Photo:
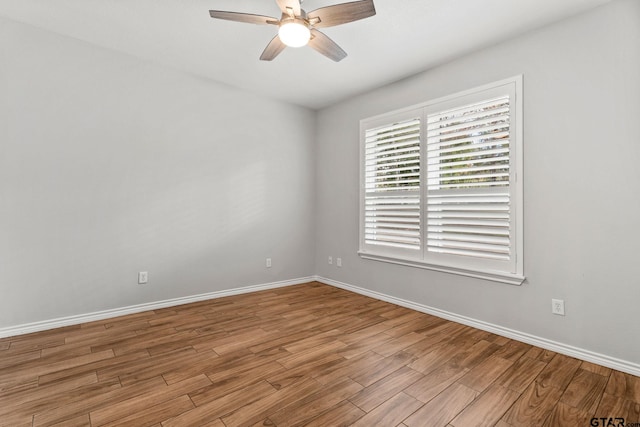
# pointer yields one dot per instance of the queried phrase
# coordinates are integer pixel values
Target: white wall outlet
(268, 263)
(339, 262)
(143, 277)
(330, 260)
(557, 307)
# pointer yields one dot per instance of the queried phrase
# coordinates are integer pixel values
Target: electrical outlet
(557, 307)
(339, 262)
(330, 260)
(268, 262)
(143, 277)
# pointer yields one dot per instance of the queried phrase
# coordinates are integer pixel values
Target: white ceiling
(405, 37)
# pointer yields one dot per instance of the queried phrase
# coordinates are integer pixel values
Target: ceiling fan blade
(342, 13)
(290, 6)
(273, 49)
(243, 17)
(326, 46)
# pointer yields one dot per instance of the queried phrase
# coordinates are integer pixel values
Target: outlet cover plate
(557, 307)
(143, 277)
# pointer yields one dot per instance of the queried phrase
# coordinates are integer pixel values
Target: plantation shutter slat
(382, 130)
(447, 144)
(392, 185)
(390, 140)
(388, 159)
(474, 162)
(404, 177)
(471, 168)
(479, 143)
(478, 128)
(451, 115)
(468, 178)
(494, 154)
(467, 238)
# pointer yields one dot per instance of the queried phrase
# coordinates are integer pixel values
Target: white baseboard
(578, 353)
(108, 314)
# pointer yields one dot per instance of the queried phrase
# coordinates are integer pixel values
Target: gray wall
(110, 165)
(582, 184)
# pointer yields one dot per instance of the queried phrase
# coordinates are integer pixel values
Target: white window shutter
(392, 186)
(438, 184)
(468, 177)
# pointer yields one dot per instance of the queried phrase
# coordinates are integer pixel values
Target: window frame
(478, 268)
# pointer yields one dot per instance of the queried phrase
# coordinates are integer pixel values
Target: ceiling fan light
(294, 33)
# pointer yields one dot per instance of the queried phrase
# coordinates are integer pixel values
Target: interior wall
(581, 184)
(110, 165)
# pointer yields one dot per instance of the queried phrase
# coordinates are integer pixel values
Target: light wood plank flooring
(301, 355)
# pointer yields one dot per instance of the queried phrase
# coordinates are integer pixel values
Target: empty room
(281, 213)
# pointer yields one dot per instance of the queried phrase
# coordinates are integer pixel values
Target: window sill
(511, 279)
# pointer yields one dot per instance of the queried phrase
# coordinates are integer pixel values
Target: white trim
(495, 276)
(569, 350)
(108, 314)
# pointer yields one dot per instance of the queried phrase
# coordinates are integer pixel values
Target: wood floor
(302, 355)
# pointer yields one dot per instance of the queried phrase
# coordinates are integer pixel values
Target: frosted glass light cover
(294, 34)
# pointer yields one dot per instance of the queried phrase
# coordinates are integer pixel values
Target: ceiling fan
(299, 28)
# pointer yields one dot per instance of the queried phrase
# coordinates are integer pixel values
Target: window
(441, 184)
